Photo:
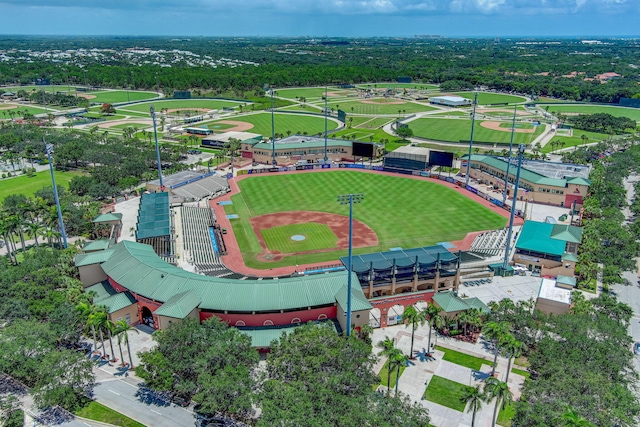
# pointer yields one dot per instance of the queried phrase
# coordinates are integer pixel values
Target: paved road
(124, 396)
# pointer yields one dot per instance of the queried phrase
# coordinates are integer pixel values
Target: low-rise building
(450, 101)
(552, 298)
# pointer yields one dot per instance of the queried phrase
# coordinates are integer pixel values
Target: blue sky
(322, 17)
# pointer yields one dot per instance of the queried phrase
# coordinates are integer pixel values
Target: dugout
(411, 270)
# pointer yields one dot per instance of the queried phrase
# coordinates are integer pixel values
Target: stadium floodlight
(507, 249)
(155, 135)
(273, 133)
(49, 150)
(350, 199)
(326, 130)
(473, 121)
(506, 178)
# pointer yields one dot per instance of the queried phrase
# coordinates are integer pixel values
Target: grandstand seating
(491, 243)
(196, 223)
(213, 185)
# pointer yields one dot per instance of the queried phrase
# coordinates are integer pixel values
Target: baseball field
(456, 130)
(396, 212)
(632, 113)
(283, 123)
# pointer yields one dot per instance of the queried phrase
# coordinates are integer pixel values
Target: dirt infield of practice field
(367, 101)
(239, 126)
(9, 107)
(363, 235)
(496, 126)
(85, 96)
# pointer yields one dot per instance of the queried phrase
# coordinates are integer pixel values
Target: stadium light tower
(350, 199)
(155, 135)
(49, 150)
(507, 249)
(473, 121)
(273, 134)
(506, 178)
(326, 130)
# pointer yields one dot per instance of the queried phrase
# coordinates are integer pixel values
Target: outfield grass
(456, 130)
(399, 85)
(487, 98)
(632, 113)
(317, 236)
(310, 93)
(20, 109)
(28, 186)
(107, 117)
(371, 123)
(463, 359)
(385, 108)
(384, 375)
(403, 212)
(112, 96)
(446, 393)
(49, 89)
(213, 104)
(295, 123)
(98, 412)
(575, 140)
(131, 125)
(507, 125)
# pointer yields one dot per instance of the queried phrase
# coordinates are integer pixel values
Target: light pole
(49, 149)
(507, 250)
(155, 135)
(350, 199)
(273, 134)
(473, 121)
(506, 178)
(326, 131)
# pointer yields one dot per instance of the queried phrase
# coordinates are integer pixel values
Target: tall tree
(498, 390)
(473, 398)
(414, 318)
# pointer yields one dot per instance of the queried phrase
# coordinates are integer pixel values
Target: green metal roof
(569, 257)
(579, 181)
(107, 296)
(301, 145)
(139, 269)
(358, 301)
(566, 280)
(180, 305)
(568, 233)
(536, 236)
(112, 216)
(92, 258)
(449, 303)
(153, 216)
(263, 337)
(525, 174)
(96, 245)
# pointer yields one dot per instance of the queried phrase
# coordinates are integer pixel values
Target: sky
(333, 18)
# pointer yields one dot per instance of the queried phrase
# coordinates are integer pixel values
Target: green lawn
(20, 109)
(295, 123)
(112, 96)
(575, 140)
(463, 359)
(525, 374)
(370, 123)
(312, 94)
(28, 186)
(131, 125)
(446, 393)
(632, 113)
(451, 114)
(488, 98)
(107, 117)
(213, 104)
(384, 375)
(413, 223)
(49, 89)
(457, 130)
(98, 412)
(384, 108)
(506, 415)
(507, 125)
(317, 236)
(423, 86)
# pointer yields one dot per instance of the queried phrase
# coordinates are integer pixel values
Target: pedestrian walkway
(419, 373)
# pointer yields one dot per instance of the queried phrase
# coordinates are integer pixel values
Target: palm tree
(396, 361)
(86, 309)
(98, 320)
(414, 317)
(495, 331)
(435, 320)
(584, 139)
(570, 418)
(5, 231)
(365, 332)
(473, 397)
(494, 388)
(388, 349)
(121, 330)
(513, 348)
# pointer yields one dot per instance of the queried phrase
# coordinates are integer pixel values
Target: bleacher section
(210, 186)
(490, 243)
(203, 241)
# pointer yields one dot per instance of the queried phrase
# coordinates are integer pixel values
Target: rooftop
(139, 269)
(549, 291)
(153, 216)
(107, 217)
(96, 245)
(450, 302)
(451, 98)
(302, 142)
(179, 178)
(226, 136)
(400, 258)
(105, 295)
(547, 238)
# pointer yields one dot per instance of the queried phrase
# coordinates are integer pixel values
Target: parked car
(636, 348)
